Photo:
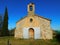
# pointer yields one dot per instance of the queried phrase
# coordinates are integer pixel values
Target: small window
(31, 20)
(31, 8)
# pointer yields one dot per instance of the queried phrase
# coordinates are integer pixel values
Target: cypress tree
(5, 31)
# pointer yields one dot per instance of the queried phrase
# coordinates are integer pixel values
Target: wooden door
(31, 33)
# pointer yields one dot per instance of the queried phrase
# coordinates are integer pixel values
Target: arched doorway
(31, 33)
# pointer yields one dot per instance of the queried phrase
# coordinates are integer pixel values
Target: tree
(11, 32)
(58, 36)
(5, 31)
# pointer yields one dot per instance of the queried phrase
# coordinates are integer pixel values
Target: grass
(13, 41)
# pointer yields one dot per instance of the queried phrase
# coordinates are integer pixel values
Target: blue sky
(17, 9)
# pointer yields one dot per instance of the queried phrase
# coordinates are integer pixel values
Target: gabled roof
(21, 19)
(34, 15)
(43, 17)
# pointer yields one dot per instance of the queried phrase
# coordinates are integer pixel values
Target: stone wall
(43, 24)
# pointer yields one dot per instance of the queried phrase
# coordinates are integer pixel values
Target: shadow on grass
(13, 41)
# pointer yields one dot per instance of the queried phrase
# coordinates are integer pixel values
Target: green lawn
(13, 41)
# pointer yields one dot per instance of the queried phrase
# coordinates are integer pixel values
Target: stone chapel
(33, 26)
